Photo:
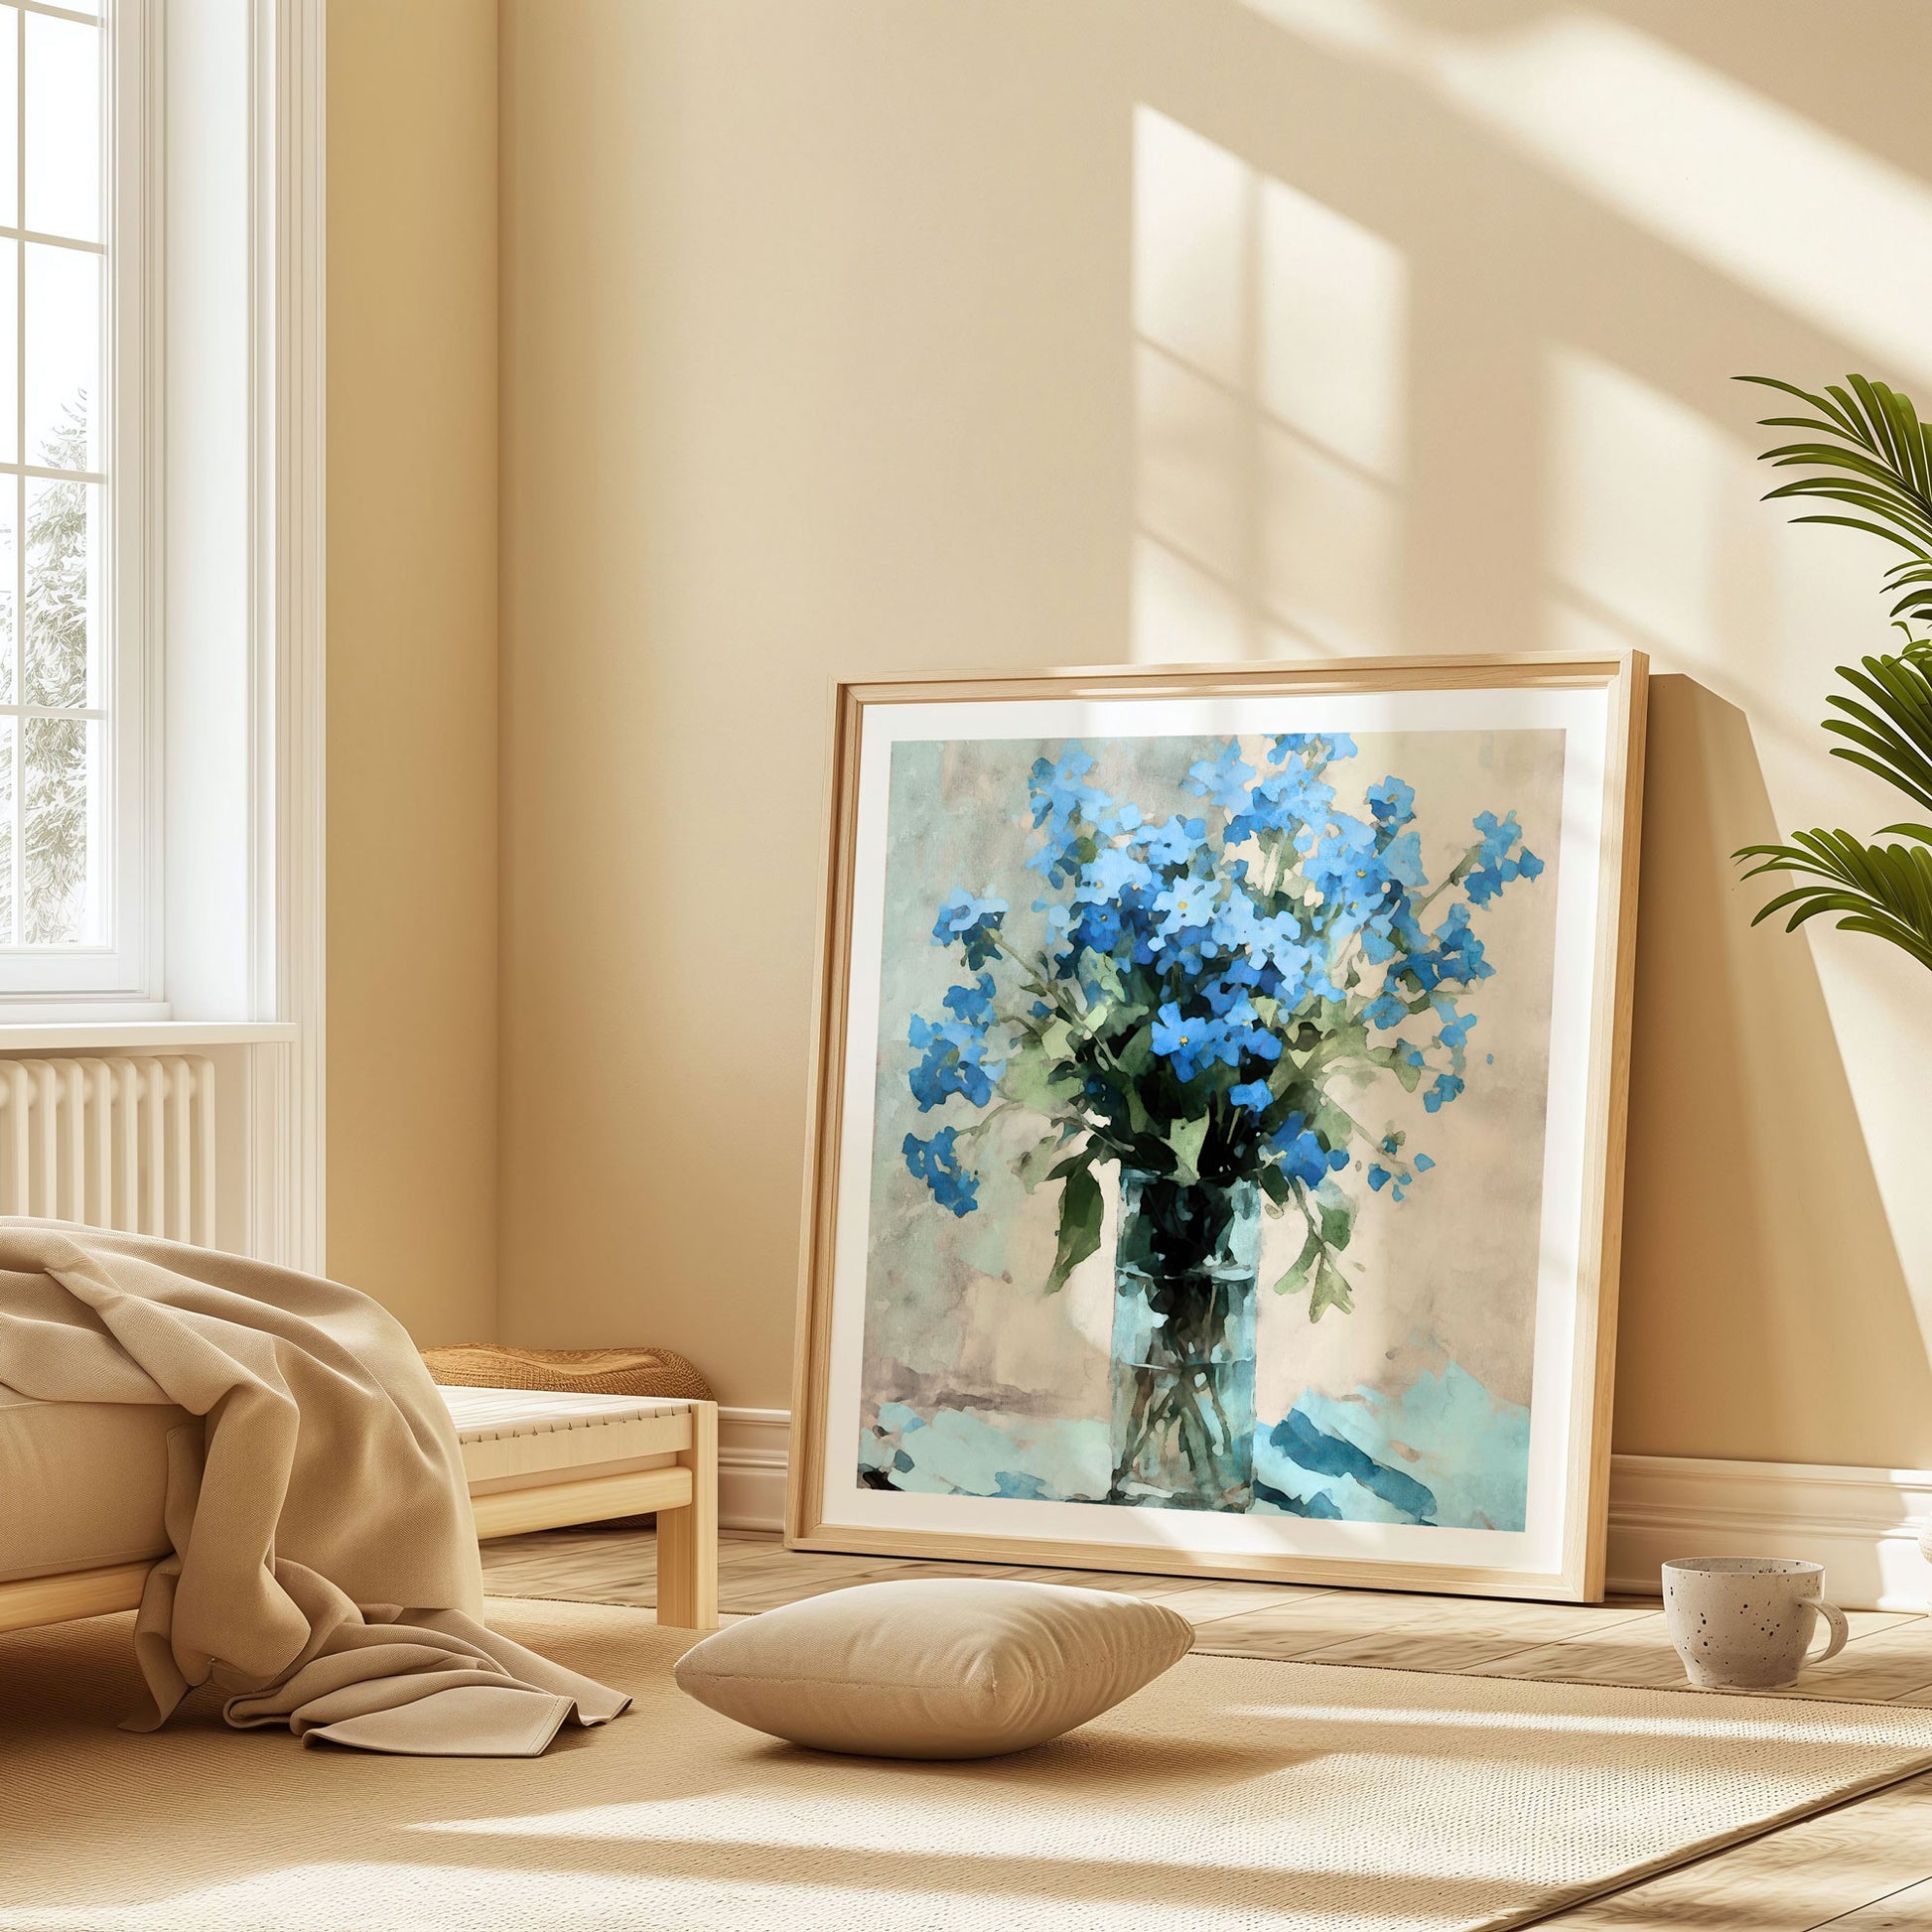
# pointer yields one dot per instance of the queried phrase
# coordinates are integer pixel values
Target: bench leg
(687, 1539)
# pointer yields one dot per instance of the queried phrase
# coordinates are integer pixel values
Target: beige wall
(872, 333)
(412, 657)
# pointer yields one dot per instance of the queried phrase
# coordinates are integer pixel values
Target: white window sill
(166, 1036)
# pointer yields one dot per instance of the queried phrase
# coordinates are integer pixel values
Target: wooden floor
(1866, 1867)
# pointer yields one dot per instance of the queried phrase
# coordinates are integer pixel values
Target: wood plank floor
(1866, 1867)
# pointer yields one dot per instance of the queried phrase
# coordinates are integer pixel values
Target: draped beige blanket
(325, 1572)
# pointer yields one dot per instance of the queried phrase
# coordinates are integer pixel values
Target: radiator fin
(124, 1143)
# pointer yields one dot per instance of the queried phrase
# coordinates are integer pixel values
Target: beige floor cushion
(934, 1668)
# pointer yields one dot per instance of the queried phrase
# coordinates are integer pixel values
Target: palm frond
(1887, 726)
(1876, 460)
(1883, 889)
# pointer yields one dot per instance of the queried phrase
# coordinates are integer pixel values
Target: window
(72, 866)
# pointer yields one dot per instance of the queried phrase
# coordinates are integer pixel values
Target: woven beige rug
(1230, 1794)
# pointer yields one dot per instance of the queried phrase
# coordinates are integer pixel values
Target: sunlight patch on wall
(1270, 394)
(1655, 537)
(1632, 495)
(1740, 182)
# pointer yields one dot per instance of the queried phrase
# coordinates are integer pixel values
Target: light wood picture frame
(1216, 1149)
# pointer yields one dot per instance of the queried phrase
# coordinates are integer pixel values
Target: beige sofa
(81, 1487)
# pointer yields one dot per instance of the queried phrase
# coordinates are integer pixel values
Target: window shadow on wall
(1434, 314)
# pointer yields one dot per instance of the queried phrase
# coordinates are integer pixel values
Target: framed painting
(1217, 1144)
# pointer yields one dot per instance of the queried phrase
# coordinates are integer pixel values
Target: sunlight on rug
(1231, 1793)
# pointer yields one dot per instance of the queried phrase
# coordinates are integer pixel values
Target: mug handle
(1841, 1630)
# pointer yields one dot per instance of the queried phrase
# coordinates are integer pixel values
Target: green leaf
(1314, 1271)
(1185, 1138)
(1056, 1041)
(1876, 458)
(1137, 1056)
(1080, 1216)
(1036, 1164)
(1337, 1218)
(1883, 890)
(1105, 974)
(1332, 1124)
(1294, 1276)
(1035, 1082)
(1330, 1290)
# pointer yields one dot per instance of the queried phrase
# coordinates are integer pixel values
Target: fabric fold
(325, 1572)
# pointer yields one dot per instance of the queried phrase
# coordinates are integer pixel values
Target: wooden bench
(534, 1461)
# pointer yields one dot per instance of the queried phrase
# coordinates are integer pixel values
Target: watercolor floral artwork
(1207, 1157)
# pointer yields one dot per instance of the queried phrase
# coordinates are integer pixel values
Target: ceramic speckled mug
(1741, 1623)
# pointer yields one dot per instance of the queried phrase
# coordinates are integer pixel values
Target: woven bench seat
(512, 1437)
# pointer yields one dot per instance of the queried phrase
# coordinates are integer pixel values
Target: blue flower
(1318, 746)
(1345, 868)
(973, 1004)
(1303, 1157)
(974, 923)
(1064, 812)
(1294, 968)
(1459, 952)
(1284, 801)
(954, 1062)
(1237, 927)
(1059, 799)
(1402, 858)
(1185, 1044)
(1424, 1163)
(1100, 927)
(1450, 955)
(1378, 1176)
(1222, 778)
(1251, 1094)
(1456, 1034)
(1257, 1040)
(1176, 842)
(937, 1164)
(1111, 871)
(1392, 802)
(1188, 902)
(1446, 1087)
(1386, 1011)
(1497, 860)
(1228, 989)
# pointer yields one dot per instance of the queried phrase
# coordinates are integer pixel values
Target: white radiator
(119, 1143)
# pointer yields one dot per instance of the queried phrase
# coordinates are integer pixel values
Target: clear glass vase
(1184, 1373)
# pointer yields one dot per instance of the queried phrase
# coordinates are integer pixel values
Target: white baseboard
(753, 1446)
(1862, 1525)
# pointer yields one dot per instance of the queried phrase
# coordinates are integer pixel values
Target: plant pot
(1183, 1343)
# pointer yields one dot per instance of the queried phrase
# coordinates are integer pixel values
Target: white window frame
(216, 332)
(120, 973)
